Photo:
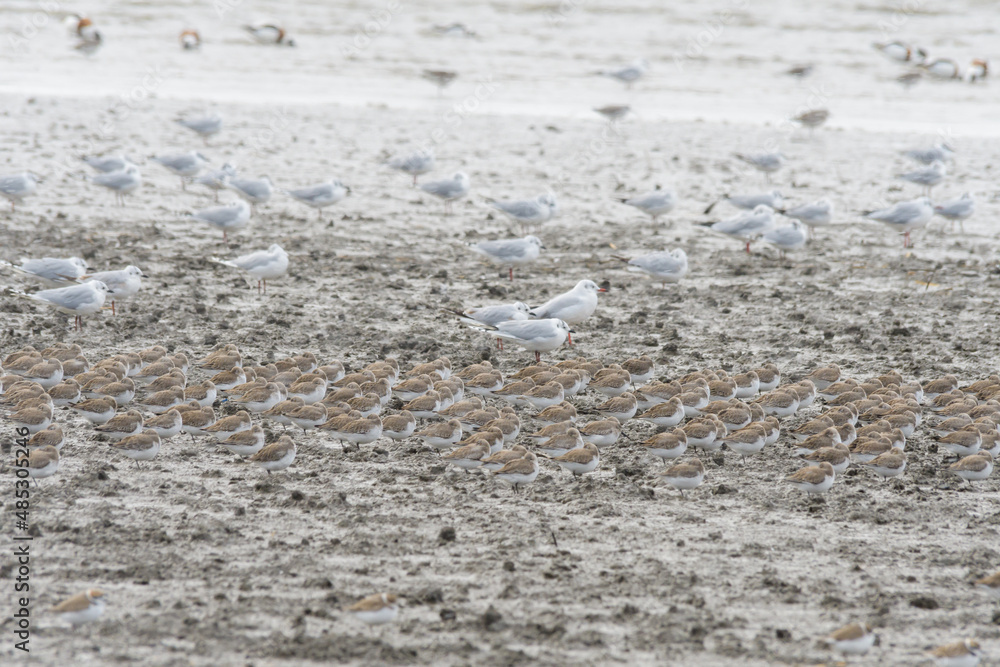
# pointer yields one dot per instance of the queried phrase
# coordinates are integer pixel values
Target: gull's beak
(572, 330)
(602, 289)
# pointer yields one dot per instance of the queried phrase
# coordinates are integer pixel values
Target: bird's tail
(224, 262)
(709, 208)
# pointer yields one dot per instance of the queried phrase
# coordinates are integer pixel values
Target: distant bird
(614, 112)
(227, 218)
(628, 74)
(215, 179)
(262, 265)
(746, 226)
(51, 271)
(190, 40)
(928, 177)
(957, 210)
(269, 34)
(253, 190)
(666, 266)
(122, 182)
(767, 163)
(510, 252)
(978, 70)
(800, 71)
(108, 164)
(415, 164)
(910, 79)
(900, 52)
(812, 118)
(942, 152)
(942, 68)
(122, 284)
(204, 126)
(440, 78)
(788, 237)
(654, 204)
(528, 212)
(750, 202)
(817, 214)
(448, 189)
(905, 216)
(453, 30)
(320, 196)
(18, 187)
(184, 165)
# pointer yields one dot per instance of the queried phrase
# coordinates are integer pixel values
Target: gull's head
(201, 157)
(563, 326)
(461, 177)
(131, 270)
(522, 307)
(763, 209)
(535, 241)
(78, 262)
(275, 248)
(589, 286)
(678, 253)
(100, 286)
(777, 194)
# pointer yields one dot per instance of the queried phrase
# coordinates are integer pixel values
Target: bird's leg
(511, 270)
(258, 287)
(538, 357)
(225, 237)
(569, 336)
(748, 246)
(183, 184)
(265, 286)
(113, 313)
(35, 481)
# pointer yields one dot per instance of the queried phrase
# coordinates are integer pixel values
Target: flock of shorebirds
(476, 417)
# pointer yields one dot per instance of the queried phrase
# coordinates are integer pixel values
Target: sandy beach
(208, 561)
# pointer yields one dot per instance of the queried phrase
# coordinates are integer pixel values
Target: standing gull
(817, 214)
(746, 226)
(124, 283)
(510, 253)
(415, 164)
(51, 271)
(571, 307)
(666, 266)
(204, 126)
(321, 196)
(255, 191)
(533, 335)
(905, 216)
(927, 177)
(263, 265)
(767, 163)
(628, 74)
(184, 165)
(528, 211)
(76, 300)
(17, 187)
(957, 210)
(449, 189)
(227, 218)
(654, 204)
(121, 182)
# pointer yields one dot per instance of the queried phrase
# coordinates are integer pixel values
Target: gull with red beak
(572, 307)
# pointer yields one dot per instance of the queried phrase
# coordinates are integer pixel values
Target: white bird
(533, 335)
(255, 191)
(654, 204)
(957, 210)
(940, 153)
(928, 176)
(942, 68)
(628, 74)
(227, 218)
(768, 163)
(321, 196)
(184, 165)
(528, 211)
(666, 266)
(817, 214)
(746, 226)
(788, 237)
(121, 182)
(17, 187)
(493, 315)
(76, 300)
(123, 284)
(269, 34)
(905, 216)
(51, 271)
(415, 164)
(215, 179)
(108, 164)
(511, 252)
(750, 202)
(204, 126)
(449, 189)
(901, 52)
(262, 265)
(571, 307)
